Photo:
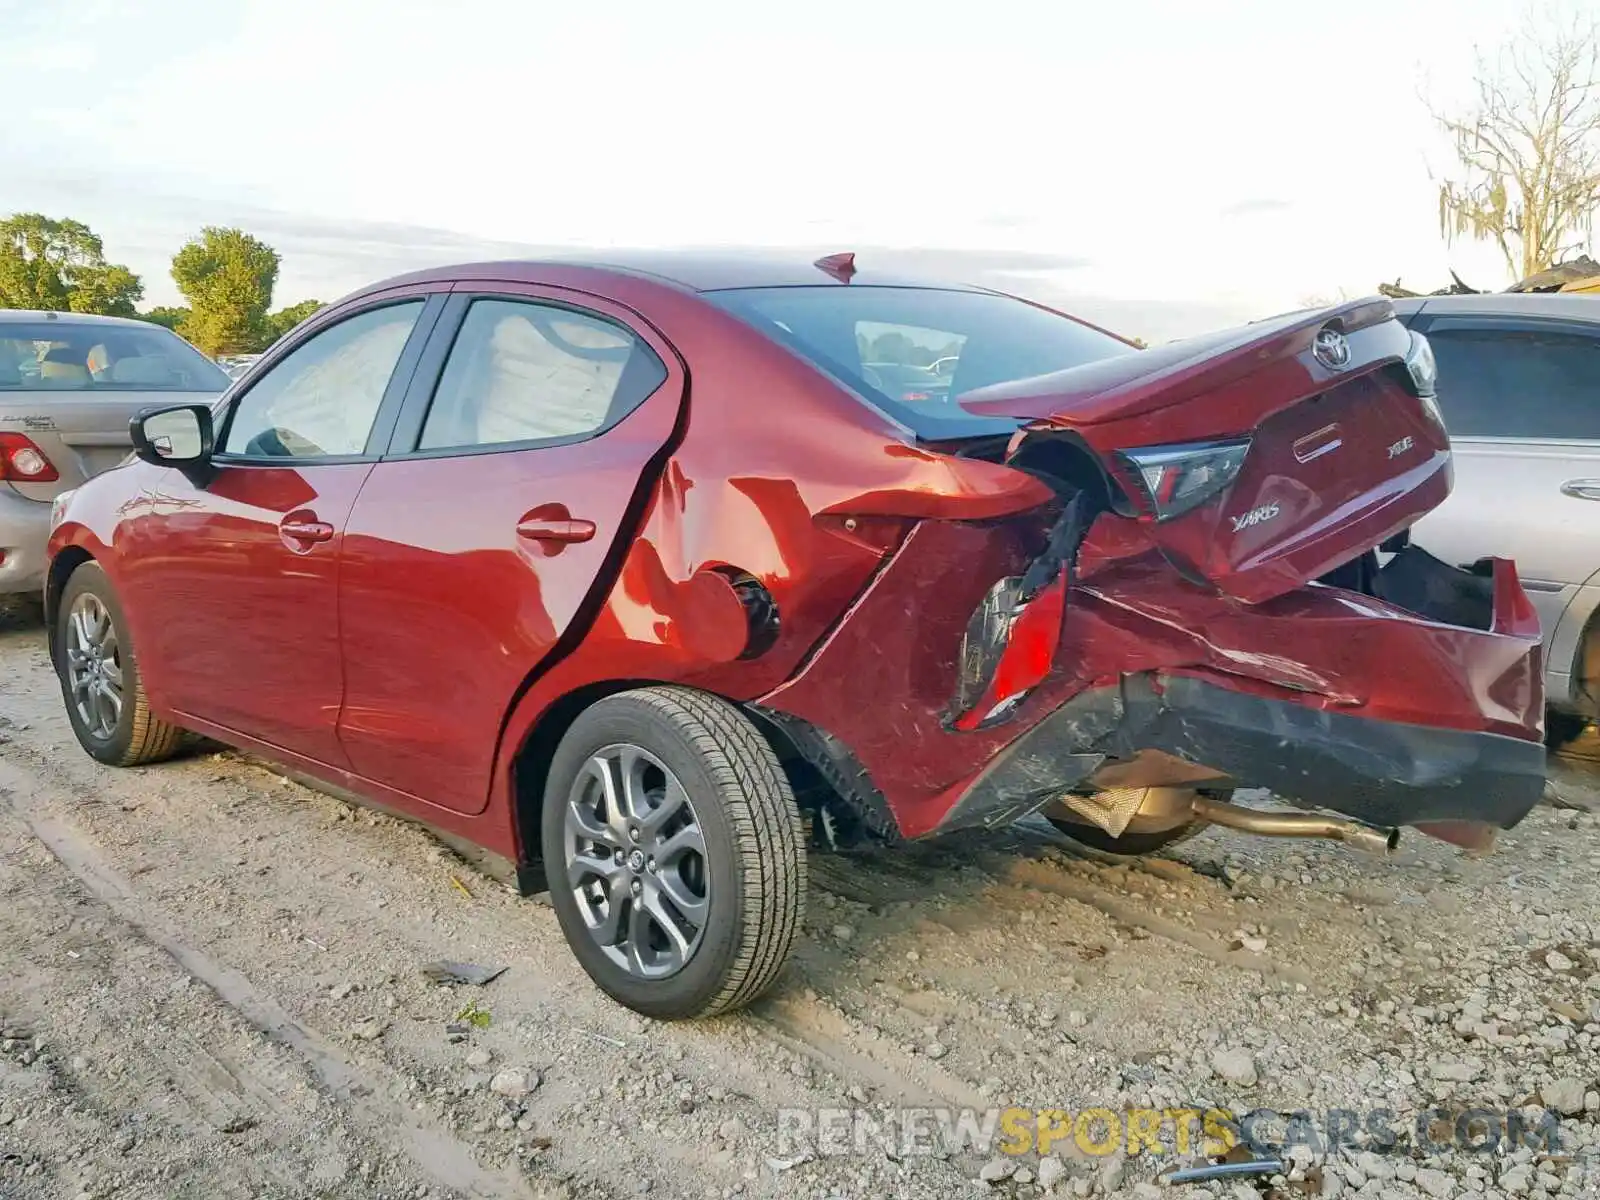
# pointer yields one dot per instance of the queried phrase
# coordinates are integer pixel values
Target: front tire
(100, 682)
(675, 852)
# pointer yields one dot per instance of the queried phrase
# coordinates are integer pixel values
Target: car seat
(148, 369)
(63, 367)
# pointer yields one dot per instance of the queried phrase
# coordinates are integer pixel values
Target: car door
(536, 419)
(235, 583)
(1521, 399)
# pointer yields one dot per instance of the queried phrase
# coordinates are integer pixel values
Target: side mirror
(179, 437)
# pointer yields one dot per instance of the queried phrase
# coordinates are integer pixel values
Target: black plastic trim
(1379, 772)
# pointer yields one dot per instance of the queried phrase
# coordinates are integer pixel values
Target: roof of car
(694, 270)
(18, 315)
(1506, 304)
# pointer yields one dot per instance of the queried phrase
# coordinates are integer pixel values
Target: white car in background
(1519, 385)
(237, 364)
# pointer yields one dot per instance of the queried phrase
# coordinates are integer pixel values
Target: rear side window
(520, 371)
(914, 352)
(68, 355)
(1516, 383)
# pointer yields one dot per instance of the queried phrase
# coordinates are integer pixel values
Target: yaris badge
(1254, 517)
(1331, 349)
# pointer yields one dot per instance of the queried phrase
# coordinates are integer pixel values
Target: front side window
(67, 355)
(914, 352)
(1513, 383)
(526, 372)
(322, 399)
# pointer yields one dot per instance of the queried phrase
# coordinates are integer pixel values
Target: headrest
(150, 368)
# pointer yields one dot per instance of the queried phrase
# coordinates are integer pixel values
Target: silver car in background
(1519, 384)
(69, 384)
(237, 364)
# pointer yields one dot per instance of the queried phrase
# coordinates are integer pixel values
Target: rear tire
(100, 681)
(682, 891)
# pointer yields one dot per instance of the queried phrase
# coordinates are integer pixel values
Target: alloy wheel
(94, 666)
(635, 858)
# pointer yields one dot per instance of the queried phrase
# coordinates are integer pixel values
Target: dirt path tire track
(433, 1149)
(295, 892)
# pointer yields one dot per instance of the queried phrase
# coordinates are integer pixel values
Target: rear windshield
(67, 355)
(914, 352)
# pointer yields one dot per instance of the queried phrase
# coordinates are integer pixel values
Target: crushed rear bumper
(1412, 698)
(1378, 772)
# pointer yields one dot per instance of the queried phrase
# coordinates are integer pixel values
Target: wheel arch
(1575, 646)
(62, 566)
(530, 770)
(530, 765)
(1585, 676)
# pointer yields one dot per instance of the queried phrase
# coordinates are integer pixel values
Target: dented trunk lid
(1321, 443)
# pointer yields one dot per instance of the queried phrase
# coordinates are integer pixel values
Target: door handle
(1582, 489)
(305, 529)
(555, 530)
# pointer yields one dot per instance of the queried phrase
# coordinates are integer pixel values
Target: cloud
(950, 263)
(328, 257)
(947, 260)
(1254, 206)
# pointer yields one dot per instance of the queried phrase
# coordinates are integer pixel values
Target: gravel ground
(210, 987)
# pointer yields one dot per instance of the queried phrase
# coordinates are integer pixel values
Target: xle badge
(1400, 447)
(1254, 517)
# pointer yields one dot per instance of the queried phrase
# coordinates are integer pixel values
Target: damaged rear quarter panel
(883, 682)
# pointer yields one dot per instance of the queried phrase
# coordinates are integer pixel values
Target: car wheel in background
(105, 698)
(1562, 728)
(674, 851)
(1164, 817)
(1132, 844)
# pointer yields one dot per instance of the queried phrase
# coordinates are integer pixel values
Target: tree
(285, 319)
(227, 277)
(171, 318)
(892, 347)
(1528, 149)
(112, 291)
(60, 266)
(1325, 299)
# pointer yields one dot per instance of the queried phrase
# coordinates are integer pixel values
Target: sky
(1160, 167)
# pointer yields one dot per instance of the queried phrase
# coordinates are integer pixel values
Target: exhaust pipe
(1369, 838)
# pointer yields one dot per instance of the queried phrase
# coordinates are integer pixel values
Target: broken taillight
(23, 462)
(1175, 479)
(1012, 637)
(1009, 647)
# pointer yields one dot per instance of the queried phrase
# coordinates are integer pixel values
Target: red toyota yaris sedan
(640, 574)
